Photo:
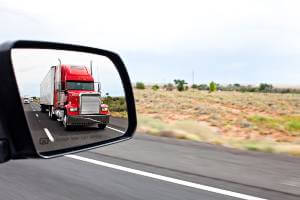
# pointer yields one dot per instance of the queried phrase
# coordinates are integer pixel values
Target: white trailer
(47, 90)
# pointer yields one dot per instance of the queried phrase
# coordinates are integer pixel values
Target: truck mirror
(99, 87)
(68, 121)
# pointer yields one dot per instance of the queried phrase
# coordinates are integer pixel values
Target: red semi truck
(68, 93)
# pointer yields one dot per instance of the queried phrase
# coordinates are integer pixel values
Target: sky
(226, 41)
(32, 65)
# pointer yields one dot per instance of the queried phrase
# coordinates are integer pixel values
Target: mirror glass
(70, 98)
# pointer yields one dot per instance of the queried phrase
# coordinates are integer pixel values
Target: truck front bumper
(85, 120)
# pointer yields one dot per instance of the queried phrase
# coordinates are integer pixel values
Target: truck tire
(66, 126)
(101, 126)
(50, 113)
(43, 108)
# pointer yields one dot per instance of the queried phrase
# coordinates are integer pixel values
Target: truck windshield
(80, 86)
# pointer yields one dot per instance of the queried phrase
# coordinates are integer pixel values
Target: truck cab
(75, 100)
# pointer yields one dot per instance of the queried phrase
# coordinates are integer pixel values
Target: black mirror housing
(16, 141)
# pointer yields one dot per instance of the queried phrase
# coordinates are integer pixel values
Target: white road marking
(49, 134)
(167, 179)
(115, 129)
(294, 182)
(36, 115)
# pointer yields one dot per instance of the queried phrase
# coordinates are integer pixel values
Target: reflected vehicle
(68, 93)
(26, 100)
(79, 98)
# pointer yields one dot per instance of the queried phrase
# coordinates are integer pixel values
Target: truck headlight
(73, 109)
(104, 109)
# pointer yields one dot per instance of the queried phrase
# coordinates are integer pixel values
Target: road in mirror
(70, 98)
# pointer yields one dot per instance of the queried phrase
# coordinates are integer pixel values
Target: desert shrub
(239, 88)
(140, 85)
(115, 104)
(203, 87)
(212, 86)
(264, 87)
(293, 125)
(169, 87)
(186, 87)
(155, 87)
(247, 88)
(180, 84)
(194, 86)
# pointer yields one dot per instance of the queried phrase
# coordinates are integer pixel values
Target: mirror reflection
(70, 98)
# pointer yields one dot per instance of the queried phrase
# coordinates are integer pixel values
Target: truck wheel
(50, 113)
(101, 126)
(65, 121)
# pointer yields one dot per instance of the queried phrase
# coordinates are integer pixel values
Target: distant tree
(237, 85)
(155, 87)
(180, 84)
(194, 86)
(264, 87)
(203, 87)
(212, 87)
(169, 87)
(186, 87)
(140, 85)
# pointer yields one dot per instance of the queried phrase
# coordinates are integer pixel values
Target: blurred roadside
(256, 121)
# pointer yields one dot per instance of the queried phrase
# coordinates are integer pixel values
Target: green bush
(155, 87)
(140, 85)
(212, 87)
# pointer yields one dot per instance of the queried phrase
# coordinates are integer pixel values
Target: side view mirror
(56, 121)
(99, 87)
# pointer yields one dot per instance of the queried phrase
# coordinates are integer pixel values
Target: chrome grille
(90, 104)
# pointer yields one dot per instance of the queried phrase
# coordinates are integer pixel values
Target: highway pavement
(149, 167)
(50, 135)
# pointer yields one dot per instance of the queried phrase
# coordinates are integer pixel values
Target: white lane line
(37, 115)
(115, 129)
(167, 179)
(49, 134)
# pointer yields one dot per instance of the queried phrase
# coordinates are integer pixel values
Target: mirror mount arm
(4, 151)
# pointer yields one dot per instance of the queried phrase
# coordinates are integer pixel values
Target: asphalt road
(50, 135)
(149, 167)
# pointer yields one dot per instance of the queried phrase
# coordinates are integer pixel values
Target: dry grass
(253, 121)
(122, 114)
